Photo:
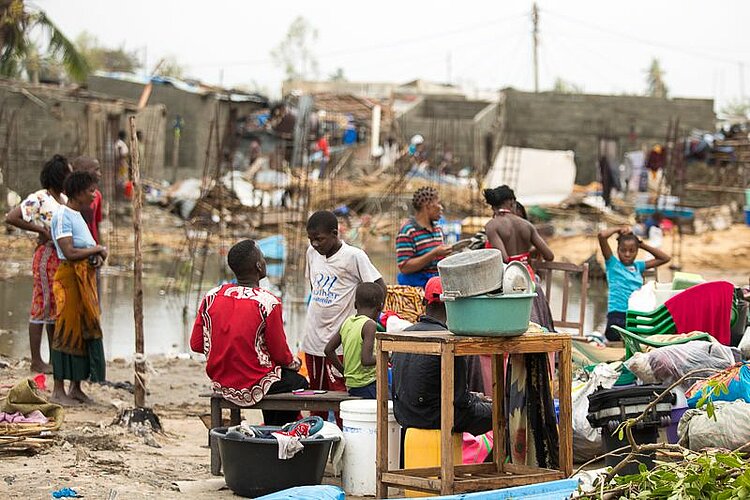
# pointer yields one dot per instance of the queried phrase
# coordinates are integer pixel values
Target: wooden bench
(328, 401)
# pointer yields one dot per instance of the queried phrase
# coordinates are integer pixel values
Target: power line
(627, 36)
(359, 50)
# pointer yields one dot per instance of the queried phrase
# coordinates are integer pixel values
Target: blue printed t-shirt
(333, 284)
(68, 223)
(623, 281)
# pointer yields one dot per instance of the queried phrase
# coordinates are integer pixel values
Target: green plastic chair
(659, 321)
(633, 341)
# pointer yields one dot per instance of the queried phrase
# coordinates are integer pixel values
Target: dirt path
(97, 458)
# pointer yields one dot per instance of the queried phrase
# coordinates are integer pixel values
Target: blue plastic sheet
(321, 492)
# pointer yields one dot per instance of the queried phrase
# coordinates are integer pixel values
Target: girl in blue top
(77, 351)
(624, 273)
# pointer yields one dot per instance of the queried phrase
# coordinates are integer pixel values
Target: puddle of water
(166, 331)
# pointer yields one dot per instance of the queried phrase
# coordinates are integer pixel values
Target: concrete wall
(196, 112)
(460, 125)
(578, 122)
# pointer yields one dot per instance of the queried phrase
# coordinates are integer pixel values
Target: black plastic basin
(252, 467)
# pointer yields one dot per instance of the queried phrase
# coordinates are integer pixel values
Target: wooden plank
(557, 266)
(567, 324)
(565, 426)
(412, 347)
(381, 458)
(435, 336)
(447, 367)
(429, 485)
(504, 481)
(498, 411)
(584, 295)
(435, 470)
(526, 469)
(565, 297)
(448, 337)
(541, 343)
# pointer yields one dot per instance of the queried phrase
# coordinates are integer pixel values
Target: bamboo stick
(140, 371)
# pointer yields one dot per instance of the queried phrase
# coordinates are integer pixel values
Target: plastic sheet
(587, 441)
(667, 364)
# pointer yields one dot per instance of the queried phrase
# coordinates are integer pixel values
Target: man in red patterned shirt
(240, 329)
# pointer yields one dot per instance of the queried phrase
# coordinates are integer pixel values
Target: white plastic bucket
(360, 432)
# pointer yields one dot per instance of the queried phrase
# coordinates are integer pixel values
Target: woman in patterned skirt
(35, 214)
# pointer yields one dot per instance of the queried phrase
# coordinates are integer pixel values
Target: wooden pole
(139, 362)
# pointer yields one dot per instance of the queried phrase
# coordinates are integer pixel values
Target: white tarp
(538, 176)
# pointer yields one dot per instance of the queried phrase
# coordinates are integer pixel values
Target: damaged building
(39, 121)
(191, 107)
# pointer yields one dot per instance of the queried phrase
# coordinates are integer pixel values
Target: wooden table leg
(381, 456)
(565, 426)
(447, 368)
(499, 424)
(215, 422)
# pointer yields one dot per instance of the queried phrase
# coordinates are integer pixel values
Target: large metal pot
(468, 274)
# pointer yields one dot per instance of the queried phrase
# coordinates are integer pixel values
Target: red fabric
(96, 209)
(241, 332)
(706, 308)
(93, 215)
(322, 146)
(321, 376)
(523, 258)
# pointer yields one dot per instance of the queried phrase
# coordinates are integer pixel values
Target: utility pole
(742, 81)
(535, 39)
(449, 77)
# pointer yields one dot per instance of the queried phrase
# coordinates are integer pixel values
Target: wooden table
(449, 478)
(329, 400)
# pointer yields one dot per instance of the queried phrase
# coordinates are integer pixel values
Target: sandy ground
(100, 460)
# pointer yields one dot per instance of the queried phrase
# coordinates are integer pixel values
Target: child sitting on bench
(357, 334)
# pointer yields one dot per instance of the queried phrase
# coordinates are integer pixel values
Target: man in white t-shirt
(334, 270)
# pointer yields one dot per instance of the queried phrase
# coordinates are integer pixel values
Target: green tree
(655, 80)
(564, 87)
(294, 54)
(338, 76)
(170, 66)
(20, 25)
(104, 58)
(738, 109)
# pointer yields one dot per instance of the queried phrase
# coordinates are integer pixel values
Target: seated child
(357, 334)
(624, 273)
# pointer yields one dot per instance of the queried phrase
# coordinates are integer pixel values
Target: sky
(603, 46)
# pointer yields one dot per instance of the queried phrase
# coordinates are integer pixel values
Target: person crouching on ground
(624, 273)
(357, 335)
(239, 328)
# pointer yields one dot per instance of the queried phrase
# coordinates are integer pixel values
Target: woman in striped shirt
(419, 244)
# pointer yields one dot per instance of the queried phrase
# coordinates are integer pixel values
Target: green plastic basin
(490, 315)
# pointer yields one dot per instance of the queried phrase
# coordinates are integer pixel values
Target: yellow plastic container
(422, 449)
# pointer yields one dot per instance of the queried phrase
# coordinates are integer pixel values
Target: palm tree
(18, 53)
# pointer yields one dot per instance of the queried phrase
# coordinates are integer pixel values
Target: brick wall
(578, 121)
